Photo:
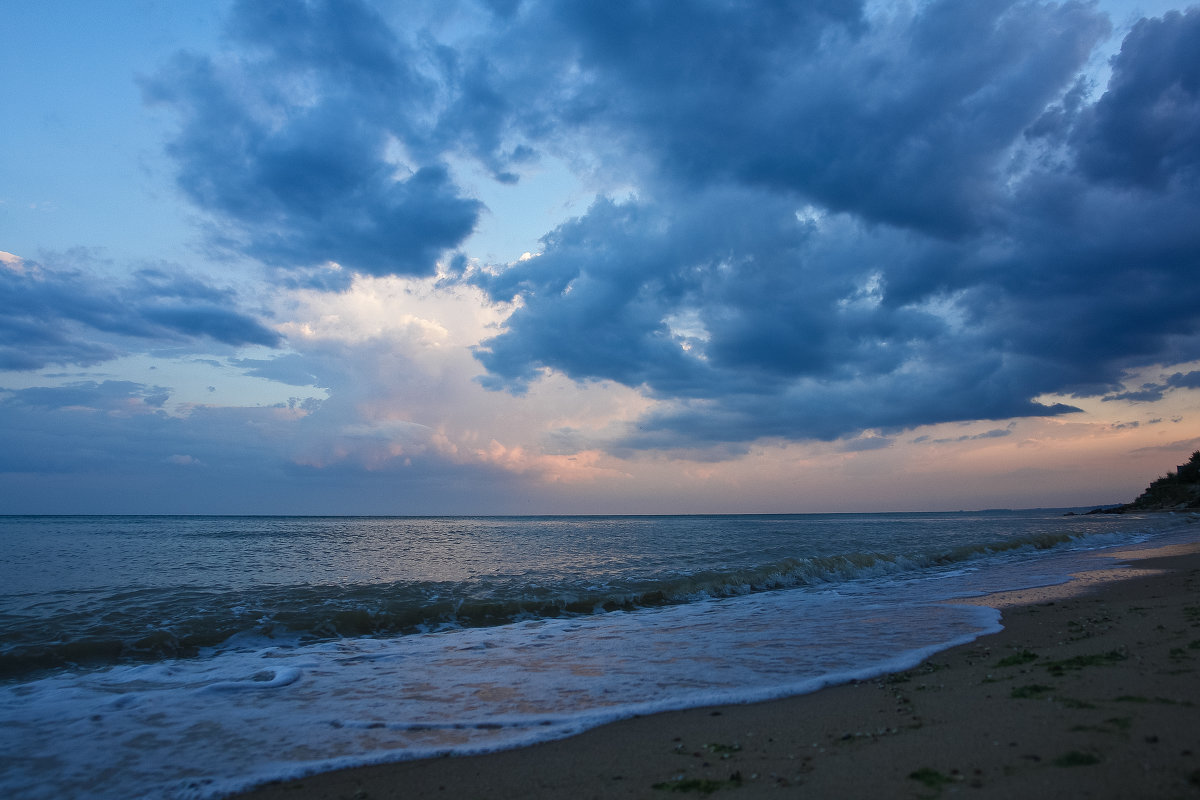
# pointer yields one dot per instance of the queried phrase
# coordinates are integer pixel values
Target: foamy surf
(251, 708)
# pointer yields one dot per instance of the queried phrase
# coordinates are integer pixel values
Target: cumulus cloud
(1145, 130)
(1189, 380)
(913, 218)
(825, 218)
(898, 116)
(72, 316)
(120, 446)
(308, 143)
(392, 358)
(1151, 392)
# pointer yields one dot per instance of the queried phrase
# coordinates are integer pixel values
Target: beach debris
(1072, 702)
(930, 777)
(1059, 668)
(1077, 758)
(701, 785)
(1016, 659)
(1112, 725)
(722, 750)
(1166, 701)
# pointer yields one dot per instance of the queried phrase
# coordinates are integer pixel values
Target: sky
(541, 257)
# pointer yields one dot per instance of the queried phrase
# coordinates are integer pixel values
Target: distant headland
(1175, 491)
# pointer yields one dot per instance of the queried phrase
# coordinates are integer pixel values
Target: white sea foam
(201, 727)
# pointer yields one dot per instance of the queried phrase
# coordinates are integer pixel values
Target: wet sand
(1091, 690)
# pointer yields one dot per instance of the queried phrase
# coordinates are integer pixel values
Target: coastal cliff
(1175, 491)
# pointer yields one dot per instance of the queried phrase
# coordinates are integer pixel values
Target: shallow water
(187, 657)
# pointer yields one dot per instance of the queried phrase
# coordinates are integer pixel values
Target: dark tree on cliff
(1175, 490)
(1190, 472)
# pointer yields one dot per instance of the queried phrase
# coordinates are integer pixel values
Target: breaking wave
(97, 629)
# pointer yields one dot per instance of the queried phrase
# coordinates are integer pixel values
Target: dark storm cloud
(219, 324)
(898, 119)
(288, 147)
(63, 316)
(834, 218)
(765, 324)
(1145, 131)
(905, 220)
(1150, 392)
(1190, 380)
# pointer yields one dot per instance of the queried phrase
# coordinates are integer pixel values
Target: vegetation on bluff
(1175, 491)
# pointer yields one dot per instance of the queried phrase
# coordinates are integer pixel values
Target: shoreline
(1089, 691)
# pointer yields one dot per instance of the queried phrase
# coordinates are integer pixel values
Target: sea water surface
(189, 657)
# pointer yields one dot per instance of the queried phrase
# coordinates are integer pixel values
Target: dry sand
(1092, 690)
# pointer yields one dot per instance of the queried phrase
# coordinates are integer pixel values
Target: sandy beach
(1090, 691)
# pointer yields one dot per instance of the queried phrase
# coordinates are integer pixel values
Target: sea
(190, 657)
